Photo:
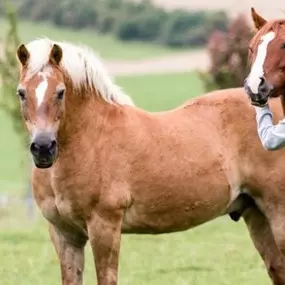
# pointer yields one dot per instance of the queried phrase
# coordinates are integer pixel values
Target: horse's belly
(162, 223)
(177, 213)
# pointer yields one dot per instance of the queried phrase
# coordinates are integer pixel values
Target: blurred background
(162, 52)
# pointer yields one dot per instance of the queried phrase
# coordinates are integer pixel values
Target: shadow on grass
(183, 269)
(16, 237)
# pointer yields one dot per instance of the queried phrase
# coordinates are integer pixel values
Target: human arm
(271, 136)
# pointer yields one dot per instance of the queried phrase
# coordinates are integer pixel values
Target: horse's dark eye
(60, 94)
(283, 46)
(22, 94)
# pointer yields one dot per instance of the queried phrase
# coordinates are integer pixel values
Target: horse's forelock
(80, 65)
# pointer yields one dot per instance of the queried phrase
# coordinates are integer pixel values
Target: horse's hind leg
(264, 242)
(71, 257)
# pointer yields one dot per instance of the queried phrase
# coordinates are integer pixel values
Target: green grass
(105, 45)
(12, 158)
(161, 91)
(219, 252)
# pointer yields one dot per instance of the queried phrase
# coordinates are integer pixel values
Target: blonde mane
(82, 66)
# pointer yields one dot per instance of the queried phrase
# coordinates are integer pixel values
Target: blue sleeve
(271, 136)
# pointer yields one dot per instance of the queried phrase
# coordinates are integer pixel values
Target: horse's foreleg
(264, 242)
(104, 231)
(71, 257)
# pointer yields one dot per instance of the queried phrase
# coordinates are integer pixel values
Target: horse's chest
(61, 211)
(65, 207)
(69, 207)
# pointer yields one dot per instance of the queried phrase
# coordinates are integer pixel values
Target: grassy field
(161, 92)
(219, 252)
(12, 172)
(105, 45)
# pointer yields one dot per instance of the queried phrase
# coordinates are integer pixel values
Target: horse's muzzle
(264, 91)
(43, 149)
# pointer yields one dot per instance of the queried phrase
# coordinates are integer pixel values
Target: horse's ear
(55, 54)
(23, 54)
(259, 22)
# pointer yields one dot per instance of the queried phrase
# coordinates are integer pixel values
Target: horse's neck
(84, 118)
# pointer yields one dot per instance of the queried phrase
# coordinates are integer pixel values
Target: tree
(9, 73)
(228, 52)
(9, 101)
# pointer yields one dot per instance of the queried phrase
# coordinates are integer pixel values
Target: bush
(127, 19)
(128, 30)
(185, 29)
(142, 26)
(108, 12)
(140, 21)
(228, 52)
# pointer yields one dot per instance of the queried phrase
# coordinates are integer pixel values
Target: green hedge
(127, 20)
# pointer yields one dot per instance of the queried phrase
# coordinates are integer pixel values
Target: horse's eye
(22, 94)
(60, 94)
(283, 46)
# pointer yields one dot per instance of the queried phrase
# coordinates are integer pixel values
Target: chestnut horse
(105, 167)
(267, 57)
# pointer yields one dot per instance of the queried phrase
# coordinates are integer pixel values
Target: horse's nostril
(52, 146)
(262, 80)
(34, 148)
(264, 88)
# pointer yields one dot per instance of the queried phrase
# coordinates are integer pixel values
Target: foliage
(9, 73)
(128, 20)
(228, 52)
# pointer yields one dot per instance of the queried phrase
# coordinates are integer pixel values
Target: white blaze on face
(41, 89)
(257, 71)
